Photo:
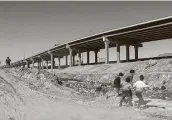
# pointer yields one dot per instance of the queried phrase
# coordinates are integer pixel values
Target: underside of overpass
(133, 35)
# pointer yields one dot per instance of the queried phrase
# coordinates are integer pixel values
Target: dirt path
(20, 102)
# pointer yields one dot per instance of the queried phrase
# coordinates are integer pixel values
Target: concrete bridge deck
(133, 35)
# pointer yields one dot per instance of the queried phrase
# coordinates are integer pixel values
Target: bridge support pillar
(106, 41)
(127, 53)
(79, 56)
(70, 55)
(47, 64)
(39, 64)
(96, 52)
(66, 60)
(73, 59)
(136, 52)
(42, 62)
(27, 64)
(59, 63)
(52, 60)
(118, 53)
(88, 57)
(32, 62)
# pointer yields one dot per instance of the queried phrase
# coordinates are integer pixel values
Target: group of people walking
(124, 88)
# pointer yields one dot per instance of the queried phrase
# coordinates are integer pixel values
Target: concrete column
(27, 64)
(136, 52)
(52, 61)
(79, 56)
(96, 52)
(106, 41)
(47, 64)
(73, 59)
(127, 53)
(66, 60)
(88, 57)
(70, 54)
(118, 53)
(32, 62)
(38, 64)
(42, 62)
(59, 63)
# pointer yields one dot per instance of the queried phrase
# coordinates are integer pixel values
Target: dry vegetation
(79, 92)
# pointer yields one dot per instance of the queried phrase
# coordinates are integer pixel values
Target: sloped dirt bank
(34, 94)
(155, 72)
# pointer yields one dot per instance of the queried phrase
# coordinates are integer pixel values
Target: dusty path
(19, 101)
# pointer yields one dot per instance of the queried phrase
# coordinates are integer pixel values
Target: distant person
(8, 61)
(125, 92)
(139, 88)
(117, 84)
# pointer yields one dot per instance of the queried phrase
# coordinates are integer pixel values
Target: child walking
(116, 85)
(139, 88)
(126, 92)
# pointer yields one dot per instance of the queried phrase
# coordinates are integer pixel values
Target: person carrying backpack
(117, 84)
(125, 92)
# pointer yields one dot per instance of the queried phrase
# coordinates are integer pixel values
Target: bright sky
(27, 28)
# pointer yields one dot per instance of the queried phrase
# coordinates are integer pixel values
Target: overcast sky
(27, 28)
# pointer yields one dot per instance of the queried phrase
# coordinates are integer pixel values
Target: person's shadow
(145, 106)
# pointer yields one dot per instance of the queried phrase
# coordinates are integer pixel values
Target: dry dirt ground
(28, 94)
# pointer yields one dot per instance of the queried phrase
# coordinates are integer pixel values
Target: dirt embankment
(155, 72)
(35, 94)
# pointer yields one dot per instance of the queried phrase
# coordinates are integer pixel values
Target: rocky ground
(37, 94)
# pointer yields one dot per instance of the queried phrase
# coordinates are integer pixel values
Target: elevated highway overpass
(134, 35)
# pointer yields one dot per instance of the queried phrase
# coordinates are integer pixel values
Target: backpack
(117, 81)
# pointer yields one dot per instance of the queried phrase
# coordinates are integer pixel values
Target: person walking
(8, 61)
(139, 88)
(116, 84)
(130, 77)
(125, 92)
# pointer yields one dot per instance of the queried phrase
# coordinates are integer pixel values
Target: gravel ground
(35, 94)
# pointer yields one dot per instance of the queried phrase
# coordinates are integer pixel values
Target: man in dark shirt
(125, 92)
(130, 75)
(8, 61)
(116, 84)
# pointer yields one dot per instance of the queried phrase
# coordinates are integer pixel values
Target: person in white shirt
(139, 87)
